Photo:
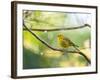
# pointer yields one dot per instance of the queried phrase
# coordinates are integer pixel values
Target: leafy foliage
(37, 55)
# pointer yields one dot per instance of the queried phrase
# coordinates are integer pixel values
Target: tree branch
(58, 29)
(62, 50)
(81, 53)
(45, 43)
(85, 57)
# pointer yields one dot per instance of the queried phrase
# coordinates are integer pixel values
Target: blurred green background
(37, 55)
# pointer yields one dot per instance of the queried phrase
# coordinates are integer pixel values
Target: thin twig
(62, 50)
(59, 29)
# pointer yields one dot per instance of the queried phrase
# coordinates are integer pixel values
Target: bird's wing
(73, 44)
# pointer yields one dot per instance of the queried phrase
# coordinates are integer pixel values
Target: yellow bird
(64, 42)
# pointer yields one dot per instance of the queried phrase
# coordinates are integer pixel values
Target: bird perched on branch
(64, 42)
